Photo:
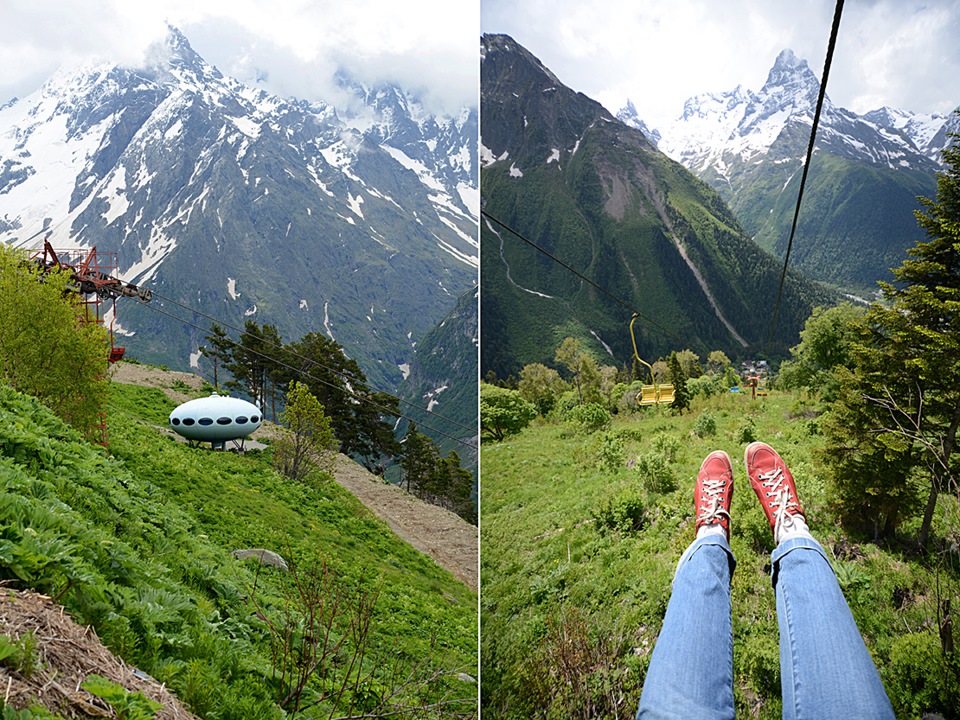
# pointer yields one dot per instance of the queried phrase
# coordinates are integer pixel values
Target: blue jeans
(826, 671)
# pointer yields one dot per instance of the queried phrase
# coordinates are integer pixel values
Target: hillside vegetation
(581, 532)
(138, 545)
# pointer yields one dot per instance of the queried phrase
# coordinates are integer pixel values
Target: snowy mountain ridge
(247, 204)
(714, 128)
(866, 175)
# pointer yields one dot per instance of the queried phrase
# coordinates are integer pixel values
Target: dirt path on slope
(445, 536)
(452, 542)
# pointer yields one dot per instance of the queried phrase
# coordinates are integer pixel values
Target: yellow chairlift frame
(655, 394)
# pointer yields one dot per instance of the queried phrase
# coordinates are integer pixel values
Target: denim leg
(826, 669)
(691, 670)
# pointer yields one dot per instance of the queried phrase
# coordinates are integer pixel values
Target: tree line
(361, 419)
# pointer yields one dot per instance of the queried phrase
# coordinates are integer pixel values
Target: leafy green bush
(589, 417)
(503, 412)
(625, 511)
(919, 678)
(706, 386)
(655, 473)
(746, 432)
(128, 705)
(667, 446)
(705, 425)
(610, 452)
(759, 662)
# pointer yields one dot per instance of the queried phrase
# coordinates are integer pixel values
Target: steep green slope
(138, 545)
(443, 377)
(581, 535)
(855, 222)
(596, 194)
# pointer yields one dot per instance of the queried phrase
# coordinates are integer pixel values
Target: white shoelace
(783, 499)
(713, 511)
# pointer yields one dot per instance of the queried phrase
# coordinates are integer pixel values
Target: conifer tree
(920, 328)
(675, 372)
(905, 388)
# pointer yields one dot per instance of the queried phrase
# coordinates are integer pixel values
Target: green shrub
(667, 446)
(589, 417)
(655, 473)
(610, 453)
(625, 511)
(705, 425)
(919, 678)
(746, 431)
(759, 659)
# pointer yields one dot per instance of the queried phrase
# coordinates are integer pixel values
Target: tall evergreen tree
(418, 461)
(920, 324)
(679, 380)
(217, 349)
(254, 362)
(358, 413)
(906, 378)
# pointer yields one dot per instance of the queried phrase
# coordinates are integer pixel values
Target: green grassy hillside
(581, 534)
(138, 545)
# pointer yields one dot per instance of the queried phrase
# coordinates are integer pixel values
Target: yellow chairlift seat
(666, 395)
(647, 395)
(655, 394)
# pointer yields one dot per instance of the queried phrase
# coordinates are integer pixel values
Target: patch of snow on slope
(158, 247)
(232, 288)
(247, 126)
(421, 170)
(431, 397)
(56, 156)
(470, 197)
(326, 320)
(605, 346)
(354, 204)
(487, 158)
(471, 260)
(114, 194)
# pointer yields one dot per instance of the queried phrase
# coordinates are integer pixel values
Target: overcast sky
(658, 53)
(295, 46)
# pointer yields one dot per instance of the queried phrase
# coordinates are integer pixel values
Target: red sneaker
(772, 482)
(714, 491)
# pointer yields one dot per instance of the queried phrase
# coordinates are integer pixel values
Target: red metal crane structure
(95, 278)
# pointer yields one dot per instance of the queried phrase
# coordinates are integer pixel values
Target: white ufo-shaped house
(215, 419)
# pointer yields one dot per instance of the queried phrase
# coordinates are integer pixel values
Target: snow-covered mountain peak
(719, 130)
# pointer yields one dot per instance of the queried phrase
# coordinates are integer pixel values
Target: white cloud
(661, 52)
(294, 46)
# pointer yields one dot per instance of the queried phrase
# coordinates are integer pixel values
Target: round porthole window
(205, 421)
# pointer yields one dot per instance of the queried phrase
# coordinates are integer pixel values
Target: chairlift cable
(806, 166)
(633, 311)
